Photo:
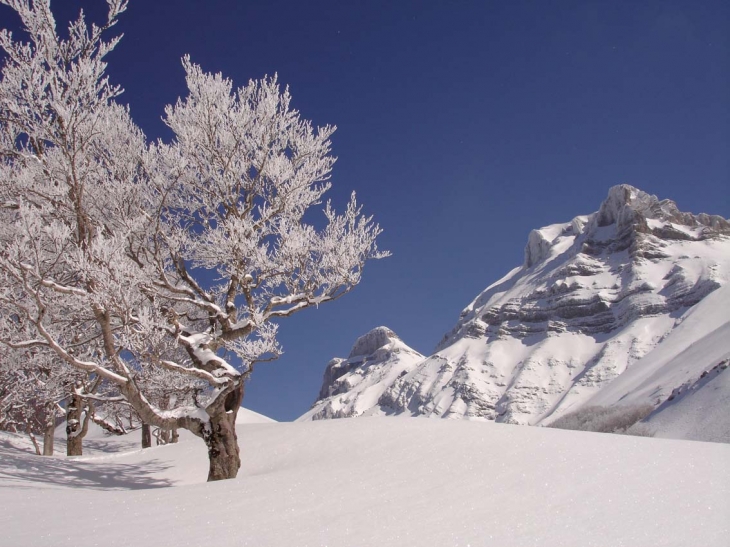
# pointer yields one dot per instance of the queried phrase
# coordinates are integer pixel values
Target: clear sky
(462, 125)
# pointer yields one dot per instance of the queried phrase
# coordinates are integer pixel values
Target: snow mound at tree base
(375, 481)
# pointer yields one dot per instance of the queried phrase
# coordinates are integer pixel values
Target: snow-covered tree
(127, 259)
(34, 388)
(21, 410)
(167, 390)
(91, 400)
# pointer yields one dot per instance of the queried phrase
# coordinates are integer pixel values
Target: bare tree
(128, 259)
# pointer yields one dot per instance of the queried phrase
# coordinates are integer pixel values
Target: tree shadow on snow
(22, 470)
(105, 445)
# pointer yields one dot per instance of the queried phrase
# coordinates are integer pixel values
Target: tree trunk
(146, 436)
(163, 436)
(175, 436)
(50, 409)
(220, 436)
(74, 446)
(48, 438)
(35, 442)
(74, 427)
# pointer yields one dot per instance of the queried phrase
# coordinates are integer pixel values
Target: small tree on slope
(33, 388)
(128, 259)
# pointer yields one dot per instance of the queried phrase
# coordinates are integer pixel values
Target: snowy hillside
(373, 482)
(618, 306)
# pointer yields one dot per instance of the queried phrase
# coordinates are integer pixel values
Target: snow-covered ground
(373, 482)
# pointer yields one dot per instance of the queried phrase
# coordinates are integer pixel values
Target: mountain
(353, 386)
(628, 296)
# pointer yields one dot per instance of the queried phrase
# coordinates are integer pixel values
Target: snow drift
(373, 481)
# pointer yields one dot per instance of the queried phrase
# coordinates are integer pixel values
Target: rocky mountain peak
(369, 343)
(622, 199)
(630, 208)
(628, 219)
(593, 299)
(353, 386)
(373, 347)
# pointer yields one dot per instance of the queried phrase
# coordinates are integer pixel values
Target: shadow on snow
(22, 470)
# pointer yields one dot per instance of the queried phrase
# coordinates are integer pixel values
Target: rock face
(353, 386)
(594, 298)
(636, 257)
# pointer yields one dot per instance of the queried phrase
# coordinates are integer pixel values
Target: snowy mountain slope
(697, 344)
(686, 375)
(353, 386)
(594, 300)
(373, 481)
(697, 411)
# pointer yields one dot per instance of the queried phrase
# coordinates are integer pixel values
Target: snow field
(377, 481)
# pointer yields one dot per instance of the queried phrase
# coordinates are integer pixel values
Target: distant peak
(369, 343)
(629, 210)
(620, 197)
(626, 206)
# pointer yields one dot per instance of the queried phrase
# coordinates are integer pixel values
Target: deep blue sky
(462, 126)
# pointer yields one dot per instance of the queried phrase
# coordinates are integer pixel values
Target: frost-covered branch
(194, 372)
(159, 268)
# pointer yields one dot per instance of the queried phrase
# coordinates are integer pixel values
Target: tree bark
(220, 437)
(31, 435)
(50, 409)
(74, 427)
(163, 436)
(146, 435)
(48, 438)
(74, 445)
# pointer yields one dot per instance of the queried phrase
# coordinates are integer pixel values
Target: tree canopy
(129, 260)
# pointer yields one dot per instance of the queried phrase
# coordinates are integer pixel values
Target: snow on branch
(123, 258)
(194, 372)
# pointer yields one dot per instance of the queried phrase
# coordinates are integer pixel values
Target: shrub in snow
(639, 429)
(606, 419)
